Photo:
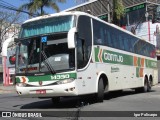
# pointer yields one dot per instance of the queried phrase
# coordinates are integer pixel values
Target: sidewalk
(7, 89)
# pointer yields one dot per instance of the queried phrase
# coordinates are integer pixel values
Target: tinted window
(84, 41)
(112, 37)
(98, 33)
(105, 35)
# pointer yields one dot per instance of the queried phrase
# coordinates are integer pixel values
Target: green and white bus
(75, 53)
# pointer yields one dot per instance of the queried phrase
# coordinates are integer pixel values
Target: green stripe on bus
(49, 77)
(123, 59)
(139, 61)
(96, 54)
(150, 63)
(137, 71)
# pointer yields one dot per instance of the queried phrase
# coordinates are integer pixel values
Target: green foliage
(37, 6)
(118, 11)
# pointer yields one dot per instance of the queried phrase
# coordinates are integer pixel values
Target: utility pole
(109, 17)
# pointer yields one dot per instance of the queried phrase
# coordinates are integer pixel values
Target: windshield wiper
(47, 63)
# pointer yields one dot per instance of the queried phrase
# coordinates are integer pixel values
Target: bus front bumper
(48, 91)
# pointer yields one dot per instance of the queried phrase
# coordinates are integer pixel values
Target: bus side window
(102, 42)
(105, 37)
(127, 44)
(97, 38)
(109, 41)
(84, 41)
(113, 38)
(80, 53)
(130, 44)
(134, 45)
(98, 33)
(101, 33)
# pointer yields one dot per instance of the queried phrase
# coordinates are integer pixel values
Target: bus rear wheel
(145, 88)
(149, 88)
(100, 93)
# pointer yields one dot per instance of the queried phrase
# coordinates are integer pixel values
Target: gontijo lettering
(113, 57)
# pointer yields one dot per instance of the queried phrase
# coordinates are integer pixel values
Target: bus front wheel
(100, 93)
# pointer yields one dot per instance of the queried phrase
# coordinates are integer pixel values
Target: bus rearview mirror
(71, 38)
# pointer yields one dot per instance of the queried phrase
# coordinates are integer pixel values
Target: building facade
(142, 17)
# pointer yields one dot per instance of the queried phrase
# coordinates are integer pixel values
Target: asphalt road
(116, 105)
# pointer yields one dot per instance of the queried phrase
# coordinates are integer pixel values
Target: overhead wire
(9, 6)
(8, 3)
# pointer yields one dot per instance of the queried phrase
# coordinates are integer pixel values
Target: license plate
(40, 91)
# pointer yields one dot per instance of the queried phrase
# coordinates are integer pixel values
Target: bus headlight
(21, 84)
(65, 81)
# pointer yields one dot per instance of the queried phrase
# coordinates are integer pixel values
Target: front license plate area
(40, 91)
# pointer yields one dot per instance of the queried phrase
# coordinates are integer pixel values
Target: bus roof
(56, 15)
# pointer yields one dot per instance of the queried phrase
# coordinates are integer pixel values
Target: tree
(116, 7)
(37, 6)
(9, 24)
(118, 11)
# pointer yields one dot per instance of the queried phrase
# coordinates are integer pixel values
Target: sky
(62, 6)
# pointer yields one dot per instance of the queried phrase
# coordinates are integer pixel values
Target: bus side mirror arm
(16, 40)
(71, 38)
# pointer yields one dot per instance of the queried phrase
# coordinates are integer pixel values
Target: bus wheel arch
(105, 81)
(102, 86)
(145, 87)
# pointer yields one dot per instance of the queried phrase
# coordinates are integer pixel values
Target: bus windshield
(43, 46)
(33, 54)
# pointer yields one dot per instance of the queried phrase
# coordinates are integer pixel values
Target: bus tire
(143, 89)
(55, 100)
(100, 93)
(149, 88)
